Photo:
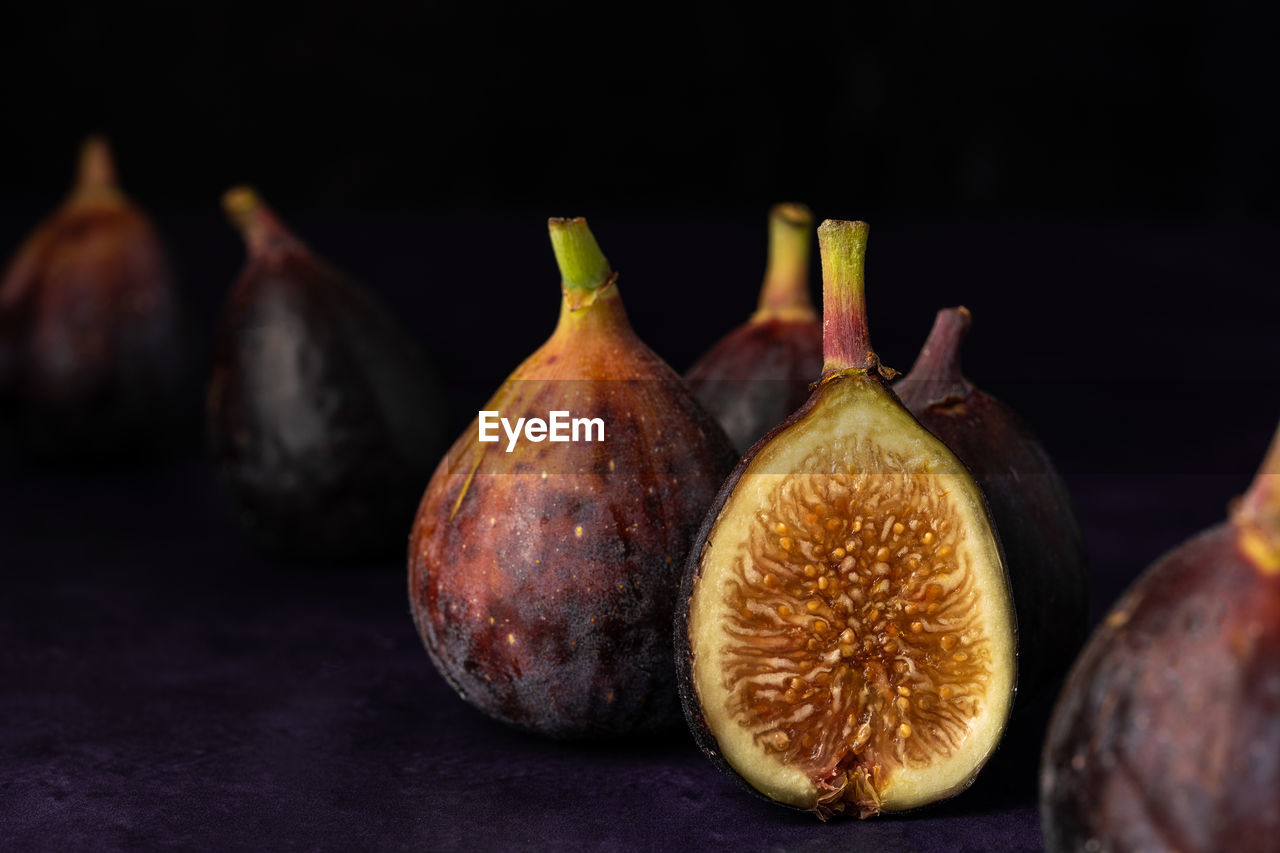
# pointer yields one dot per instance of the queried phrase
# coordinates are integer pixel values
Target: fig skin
(1167, 732)
(1033, 512)
(543, 581)
(760, 372)
(324, 418)
(848, 358)
(92, 345)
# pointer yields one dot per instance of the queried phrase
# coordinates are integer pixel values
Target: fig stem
(583, 267)
(785, 293)
(97, 168)
(846, 343)
(1259, 512)
(253, 219)
(939, 361)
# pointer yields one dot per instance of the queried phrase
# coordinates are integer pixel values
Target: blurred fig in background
(92, 349)
(325, 419)
(1043, 545)
(759, 373)
(1167, 733)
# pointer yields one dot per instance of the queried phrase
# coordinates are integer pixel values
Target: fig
(759, 373)
(543, 574)
(1167, 732)
(846, 638)
(1033, 513)
(324, 417)
(92, 351)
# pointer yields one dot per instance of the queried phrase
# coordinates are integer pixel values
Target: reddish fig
(91, 344)
(760, 372)
(1032, 509)
(1167, 732)
(846, 638)
(323, 415)
(543, 573)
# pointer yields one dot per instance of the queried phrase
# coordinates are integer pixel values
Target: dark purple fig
(543, 573)
(1048, 567)
(759, 373)
(324, 417)
(1167, 733)
(846, 638)
(91, 343)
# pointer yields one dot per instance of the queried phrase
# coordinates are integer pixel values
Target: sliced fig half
(846, 636)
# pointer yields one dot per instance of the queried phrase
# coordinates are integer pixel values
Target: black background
(1096, 182)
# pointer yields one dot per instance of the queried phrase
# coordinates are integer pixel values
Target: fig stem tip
(583, 266)
(97, 167)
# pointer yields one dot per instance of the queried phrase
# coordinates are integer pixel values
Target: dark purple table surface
(162, 683)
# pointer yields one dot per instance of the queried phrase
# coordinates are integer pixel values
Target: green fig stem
(1258, 513)
(846, 343)
(584, 270)
(255, 221)
(785, 294)
(939, 362)
(97, 169)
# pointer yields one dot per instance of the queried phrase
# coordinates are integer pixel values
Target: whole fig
(91, 340)
(543, 570)
(759, 373)
(1167, 732)
(324, 416)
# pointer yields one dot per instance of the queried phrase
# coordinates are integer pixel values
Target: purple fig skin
(1167, 732)
(323, 417)
(92, 350)
(757, 375)
(760, 372)
(1032, 509)
(543, 581)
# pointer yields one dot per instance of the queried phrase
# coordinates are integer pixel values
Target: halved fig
(846, 635)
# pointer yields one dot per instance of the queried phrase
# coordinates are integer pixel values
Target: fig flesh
(324, 417)
(846, 637)
(91, 340)
(543, 580)
(1167, 732)
(759, 373)
(1033, 513)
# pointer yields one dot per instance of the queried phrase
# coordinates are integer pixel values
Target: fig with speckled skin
(1167, 733)
(759, 373)
(845, 635)
(91, 341)
(542, 575)
(1048, 566)
(324, 417)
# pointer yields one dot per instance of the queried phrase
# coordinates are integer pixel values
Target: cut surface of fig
(850, 636)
